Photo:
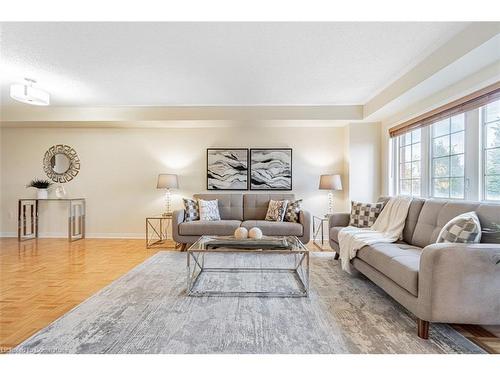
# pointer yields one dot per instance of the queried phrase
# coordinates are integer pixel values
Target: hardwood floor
(43, 279)
(40, 280)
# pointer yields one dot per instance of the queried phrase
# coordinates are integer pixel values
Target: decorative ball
(255, 233)
(241, 233)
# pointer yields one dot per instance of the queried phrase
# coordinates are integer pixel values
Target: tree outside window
(491, 151)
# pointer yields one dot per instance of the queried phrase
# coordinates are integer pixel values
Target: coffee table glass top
(267, 243)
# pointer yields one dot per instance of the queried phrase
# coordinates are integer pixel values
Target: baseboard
(139, 236)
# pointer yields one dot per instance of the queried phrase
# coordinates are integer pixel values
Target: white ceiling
(220, 64)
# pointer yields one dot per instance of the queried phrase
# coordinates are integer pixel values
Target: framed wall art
(227, 169)
(271, 169)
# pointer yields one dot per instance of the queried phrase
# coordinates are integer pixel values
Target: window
(409, 163)
(448, 158)
(456, 157)
(491, 151)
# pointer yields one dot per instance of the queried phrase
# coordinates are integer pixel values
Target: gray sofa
(445, 282)
(246, 210)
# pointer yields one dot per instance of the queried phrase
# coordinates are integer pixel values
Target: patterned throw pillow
(464, 228)
(276, 210)
(209, 210)
(191, 210)
(363, 215)
(292, 211)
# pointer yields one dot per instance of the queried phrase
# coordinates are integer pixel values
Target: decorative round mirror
(61, 163)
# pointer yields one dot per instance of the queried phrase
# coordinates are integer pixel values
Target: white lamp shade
(330, 182)
(25, 93)
(167, 181)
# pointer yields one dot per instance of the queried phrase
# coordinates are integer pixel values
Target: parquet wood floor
(40, 280)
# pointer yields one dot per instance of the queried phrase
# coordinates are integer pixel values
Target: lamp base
(168, 200)
(330, 204)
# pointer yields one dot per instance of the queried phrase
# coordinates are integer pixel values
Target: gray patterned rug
(147, 311)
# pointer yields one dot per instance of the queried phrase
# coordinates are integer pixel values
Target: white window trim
(482, 153)
(474, 168)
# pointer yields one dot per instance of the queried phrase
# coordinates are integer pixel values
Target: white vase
(60, 192)
(42, 193)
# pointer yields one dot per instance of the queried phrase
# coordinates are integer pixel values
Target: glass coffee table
(271, 267)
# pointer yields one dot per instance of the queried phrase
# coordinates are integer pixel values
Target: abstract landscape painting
(227, 169)
(271, 169)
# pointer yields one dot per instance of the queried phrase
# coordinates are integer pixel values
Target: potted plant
(41, 186)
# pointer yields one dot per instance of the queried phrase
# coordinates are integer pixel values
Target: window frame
(482, 172)
(430, 155)
(399, 163)
(474, 159)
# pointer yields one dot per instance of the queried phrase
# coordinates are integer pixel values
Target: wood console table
(27, 218)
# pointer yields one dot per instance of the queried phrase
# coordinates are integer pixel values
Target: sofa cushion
(412, 217)
(209, 210)
(489, 217)
(230, 205)
(400, 262)
(464, 228)
(364, 215)
(191, 209)
(255, 205)
(276, 210)
(275, 228)
(292, 213)
(199, 228)
(434, 216)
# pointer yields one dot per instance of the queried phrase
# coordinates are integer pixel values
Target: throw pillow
(209, 210)
(363, 215)
(276, 210)
(464, 228)
(292, 211)
(191, 210)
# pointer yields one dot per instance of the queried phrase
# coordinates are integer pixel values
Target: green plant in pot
(42, 187)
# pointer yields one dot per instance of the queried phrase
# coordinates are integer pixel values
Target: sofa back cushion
(412, 218)
(230, 205)
(436, 213)
(255, 205)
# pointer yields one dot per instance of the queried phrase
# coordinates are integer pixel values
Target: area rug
(147, 311)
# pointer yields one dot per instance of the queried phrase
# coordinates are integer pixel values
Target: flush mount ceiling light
(26, 93)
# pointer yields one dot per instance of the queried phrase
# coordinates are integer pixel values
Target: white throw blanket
(387, 228)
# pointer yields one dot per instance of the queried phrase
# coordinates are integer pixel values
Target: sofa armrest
(305, 220)
(460, 283)
(339, 220)
(177, 218)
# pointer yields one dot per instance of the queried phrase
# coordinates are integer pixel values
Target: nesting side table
(157, 230)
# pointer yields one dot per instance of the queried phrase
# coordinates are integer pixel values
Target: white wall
(119, 169)
(364, 161)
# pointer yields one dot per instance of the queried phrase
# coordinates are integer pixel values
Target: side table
(157, 230)
(318, 228)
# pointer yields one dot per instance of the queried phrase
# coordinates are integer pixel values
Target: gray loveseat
(445, 282)
(246, 210)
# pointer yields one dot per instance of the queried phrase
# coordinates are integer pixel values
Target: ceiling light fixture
(26, 93)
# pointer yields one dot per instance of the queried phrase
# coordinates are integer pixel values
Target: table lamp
(167, 182)
(330, 182)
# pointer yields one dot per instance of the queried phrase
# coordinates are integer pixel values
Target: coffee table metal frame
(196, 266)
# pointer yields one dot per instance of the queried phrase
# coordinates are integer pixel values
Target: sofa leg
(423, 328)
(183, 247)
(336, 256)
